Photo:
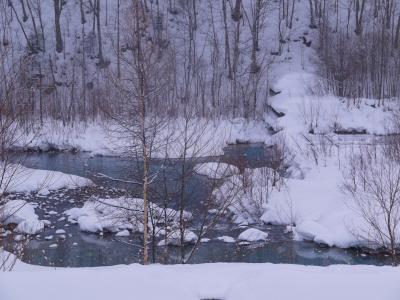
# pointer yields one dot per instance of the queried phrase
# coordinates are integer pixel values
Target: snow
(18, 238)
(226, 239)
(95, 138)
(114, 215)
(60, 231)
(253, 235)
(206, 281)
(22, 179)
(174, 238)
(122, 233)
(325, 113)
(216, 170)
(316, 204)
(100, 214)
(23, 214)
(44, 192)
(89, 224)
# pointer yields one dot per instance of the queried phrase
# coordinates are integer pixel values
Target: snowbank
(318, 207)
(174, 238)
(123, 233)
(253, 235)
(205, 137)
(207, 281)
(23, 214)
(22, 179)
(312, 198)
(305, 110)
(226, 239)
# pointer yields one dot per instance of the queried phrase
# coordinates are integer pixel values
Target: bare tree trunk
(24, 14)
(83, 19)
(236, 54)
(359, 16)
(237, 14)
(34, 25)
(101, 58)
(312, 15)
(227, 47)
(397, 35)
(118, 41)
(142, 113)
(57, 26)
(39, 12)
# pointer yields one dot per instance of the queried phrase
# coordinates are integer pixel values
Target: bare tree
(11, 135)
(133, 115)
(373, 182)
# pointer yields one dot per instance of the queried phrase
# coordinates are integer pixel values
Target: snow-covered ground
(206, 281)
(317, 206)
(18, 178)
(306, 108)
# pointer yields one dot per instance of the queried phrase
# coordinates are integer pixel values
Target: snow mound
(21, 179)
(118, 214)
(123, 233)
(23, 214)
(226, 239)
(174, 238)
(253, 235)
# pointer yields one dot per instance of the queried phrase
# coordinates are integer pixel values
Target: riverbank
(206, 281)
(207, 137)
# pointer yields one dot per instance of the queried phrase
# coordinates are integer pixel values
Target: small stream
(78, 249)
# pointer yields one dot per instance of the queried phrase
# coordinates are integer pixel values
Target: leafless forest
(73, 60)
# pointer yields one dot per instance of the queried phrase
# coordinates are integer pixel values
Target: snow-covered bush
(372, 180)
(249, 191)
